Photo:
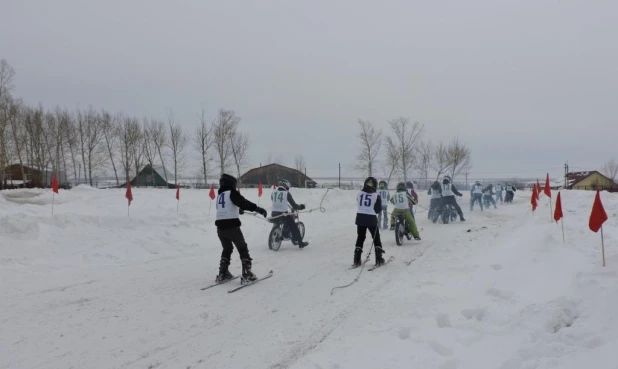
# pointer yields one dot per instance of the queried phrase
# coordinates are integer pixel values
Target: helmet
(401, 186)
(371, 182)
(284, 183)
(436, 185)
(227, 180)
(446, 179)
(409, 185)
(383, 184)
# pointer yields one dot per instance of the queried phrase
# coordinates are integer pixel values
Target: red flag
(533, 198)
(260, 189)
(558, 212)
(212, 192)
(178, 191)
(598, 216)
(129, 194)
(538, 190)
(547, 187)
(54, 184)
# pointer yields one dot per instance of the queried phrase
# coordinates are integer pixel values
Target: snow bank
(91, 287)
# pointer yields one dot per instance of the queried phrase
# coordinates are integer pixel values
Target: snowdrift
(91, 287)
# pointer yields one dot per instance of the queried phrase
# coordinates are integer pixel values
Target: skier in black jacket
(230, 204)
(369, 204)
(448, 195)
(282, 202)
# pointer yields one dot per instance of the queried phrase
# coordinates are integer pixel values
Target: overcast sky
(527, 84)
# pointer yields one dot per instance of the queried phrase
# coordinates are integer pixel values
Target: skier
(411, 192)
(230, 204)
(402, 199)
(282, 202)
(477, 195)
(510, 193)
(448, 196)
(435, 191)
(369, 204)
(384, 197)
(499, 190)
(488, 196)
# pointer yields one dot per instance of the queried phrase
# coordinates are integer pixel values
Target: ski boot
(247, 274)
(224, 273)
(302, 244)
(379, 258)
(357, 257)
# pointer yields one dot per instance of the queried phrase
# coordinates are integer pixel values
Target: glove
(301, 207)
(262, 211)
(241, 212)
(460, 195)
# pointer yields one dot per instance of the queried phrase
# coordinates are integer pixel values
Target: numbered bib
(365, 202)
(226, 209)
(478, 189)
(401, 200)
(280, 201)
(384, 196)
(446, 190)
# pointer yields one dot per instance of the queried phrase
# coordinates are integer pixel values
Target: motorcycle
(280, 231)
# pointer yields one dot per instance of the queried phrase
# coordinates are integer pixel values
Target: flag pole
(562, 223)
(53, 198)
(602, 246)
(551, 211)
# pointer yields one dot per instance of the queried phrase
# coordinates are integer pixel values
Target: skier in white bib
(499, 188)
(368, 204)
(477, 195)
(448, 195)
(230, 204)
(282, 202)
(384, 197)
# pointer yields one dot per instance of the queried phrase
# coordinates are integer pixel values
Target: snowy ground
(91, 288)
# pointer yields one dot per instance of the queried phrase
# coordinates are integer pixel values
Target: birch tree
(224, 131)
(459, 157)
(371, 141)
(203, 141)
(405, 136)
(177, 144)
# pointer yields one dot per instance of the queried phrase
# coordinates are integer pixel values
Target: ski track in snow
(91, 288)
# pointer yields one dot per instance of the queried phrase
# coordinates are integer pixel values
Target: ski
(412, 260)
(218, 283)
(270, 274)
(386, 262)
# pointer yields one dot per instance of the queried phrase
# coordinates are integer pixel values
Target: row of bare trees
(88, 143)
(406, 151)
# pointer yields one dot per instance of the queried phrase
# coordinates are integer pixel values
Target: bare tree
(129, 135)
(299, 162)
(424, 157)
(110, 129)
(203, 141)
(150, 149)
(405, 137)
(224, 131)
(371, 141)
(158, 134)
(7, 73)
(177, 144)
(240, 146)
(441, 161)
(610, 169)
(459, 157)
(90, 132)
(391, 162)
(274, 158)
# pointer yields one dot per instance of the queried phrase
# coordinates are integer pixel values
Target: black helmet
(436, 185)
(371, 182)
(446, 179)
(383, 184)
(284, 183)
(409, 185)
(227, 180)
(401, 186)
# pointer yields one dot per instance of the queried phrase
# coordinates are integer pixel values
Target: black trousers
(362, 235)
(476, 198)
(229, 238)
(451, 200)
(433, 205)
(291, 225)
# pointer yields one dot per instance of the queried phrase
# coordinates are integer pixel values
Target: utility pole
(466, 181)
(566, 172)
(339, 175)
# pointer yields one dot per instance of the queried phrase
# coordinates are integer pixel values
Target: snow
(90, 287)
